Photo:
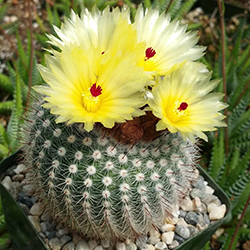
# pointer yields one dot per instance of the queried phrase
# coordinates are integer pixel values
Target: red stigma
(95, 91)
(103, 52)
(150, 52)
(183, 106)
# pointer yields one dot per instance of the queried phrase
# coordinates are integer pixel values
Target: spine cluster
(100, 187)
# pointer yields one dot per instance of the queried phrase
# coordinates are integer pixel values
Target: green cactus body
(101, 188)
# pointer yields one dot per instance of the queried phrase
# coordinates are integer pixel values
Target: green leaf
(218, 153)
(4, 151)
(185, 8)
(22, 234)
(13, 128)
(3, 135)
(6, 106)
(6, 84)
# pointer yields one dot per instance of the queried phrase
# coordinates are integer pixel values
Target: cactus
(102, 186)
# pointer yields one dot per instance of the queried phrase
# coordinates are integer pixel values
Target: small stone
(69, 246)
(105, 243)
(210, 198)
(18, 177)
(211, 207)
(182, 231)
(153, 232)
(82, 245)
(153, 240)
(25, 208)
(196, 193)
(43, 226)
(50, 235)
(35, 222)
(182, 222)
(161, 245)
(27, 189)
(218, 213)
(46, 216)
(182, 213)
(192, 218)
(206, 219)
(219, 232)
(174, 244)
(168, 237)
(167, 227)
(63, 231)
(179, 238)
(197, 204)
(131, 246)
(199, 183)
(149, 247)
(65, 239)
(7, 182)
(37, 209)
(77, 238)
(193, 230)
(92, 244)
(98, 248)
(209, 190)
(55, 244)
(20, 168)
(120, 246)
(187, 204)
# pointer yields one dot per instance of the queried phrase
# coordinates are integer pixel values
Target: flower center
(179, 110)
(150, 52)
(95, 91)
(183, 106)
(91, 98)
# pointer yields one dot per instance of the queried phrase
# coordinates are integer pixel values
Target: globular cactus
(101, 186)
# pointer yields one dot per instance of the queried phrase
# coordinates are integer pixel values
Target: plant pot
(24, 236)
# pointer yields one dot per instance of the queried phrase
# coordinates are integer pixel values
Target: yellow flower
(168, 44)
(183, 103)
(88, 86)
(104, 30)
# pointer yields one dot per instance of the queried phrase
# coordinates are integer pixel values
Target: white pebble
(20, 168)
(218, 213)
(211, 207)
(197, 204)
(153, 239)
(168, 237)
(7, 182)
(65, 239)
(187, 205)
(174, 244)
(168, 227)
(209, 190)
(120, 246)
(35, 222)
(82, 245)
(69, 246)
(99, 248)
(36, 209)
(63, 231)
(55, 244)
(219, 232)
(105, 243)
(92, 244)
(161, 245)
(182, 222)
(149, 247)
(131, 246)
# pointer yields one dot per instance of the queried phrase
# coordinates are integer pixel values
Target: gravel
(200, 209)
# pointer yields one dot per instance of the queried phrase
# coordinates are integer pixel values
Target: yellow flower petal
(183, 103)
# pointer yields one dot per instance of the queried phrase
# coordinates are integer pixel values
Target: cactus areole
(108, 183)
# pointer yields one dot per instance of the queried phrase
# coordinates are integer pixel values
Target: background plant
(227, 163)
